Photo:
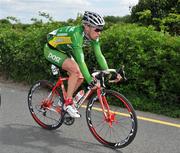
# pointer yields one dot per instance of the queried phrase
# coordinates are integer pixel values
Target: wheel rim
(118, 129)
(47, 113)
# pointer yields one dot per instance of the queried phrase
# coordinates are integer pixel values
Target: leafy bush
(22, 51)
(151, 58)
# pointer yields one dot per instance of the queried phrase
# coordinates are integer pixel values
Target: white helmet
(93, 19)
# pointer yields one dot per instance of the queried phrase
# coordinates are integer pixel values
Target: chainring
(68, 120)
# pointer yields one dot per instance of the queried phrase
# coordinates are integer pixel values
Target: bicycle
(110, 116)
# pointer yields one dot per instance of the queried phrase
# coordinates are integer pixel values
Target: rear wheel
(119, 128)
(46, 106)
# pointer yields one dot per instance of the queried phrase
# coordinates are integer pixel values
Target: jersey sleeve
(79, 56)
(99, 56)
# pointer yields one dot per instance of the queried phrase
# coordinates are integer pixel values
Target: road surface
(20, 134)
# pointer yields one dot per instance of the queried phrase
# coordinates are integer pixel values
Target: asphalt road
(20, 134)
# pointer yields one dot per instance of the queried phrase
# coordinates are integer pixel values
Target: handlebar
(99, 74)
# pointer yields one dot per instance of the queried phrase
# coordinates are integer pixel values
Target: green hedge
(21, 51)
(151, 59)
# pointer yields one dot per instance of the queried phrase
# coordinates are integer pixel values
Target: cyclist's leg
(74, 80)
(75, 77)
(62, 60)
(59, 59)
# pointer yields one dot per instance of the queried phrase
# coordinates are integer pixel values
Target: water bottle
(54, 69)
(78, 97)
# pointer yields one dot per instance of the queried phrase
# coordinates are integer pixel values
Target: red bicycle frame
(102, 99)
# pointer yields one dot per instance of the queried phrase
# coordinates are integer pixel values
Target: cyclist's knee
(81, 79)
(72, 67)
(77, 73)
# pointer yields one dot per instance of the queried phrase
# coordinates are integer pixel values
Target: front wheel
(46, 106)
(116, 126)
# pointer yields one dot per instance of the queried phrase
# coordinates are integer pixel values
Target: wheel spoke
(43, 105)
(116, 130)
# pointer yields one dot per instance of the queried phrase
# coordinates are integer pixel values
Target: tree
(116, 19)
(163, 14)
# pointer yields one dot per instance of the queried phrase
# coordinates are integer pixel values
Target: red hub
(110, 119)
(46, 104)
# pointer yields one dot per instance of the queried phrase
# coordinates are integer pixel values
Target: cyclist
(65, 50)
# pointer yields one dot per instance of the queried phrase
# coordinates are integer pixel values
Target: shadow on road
(28, 136)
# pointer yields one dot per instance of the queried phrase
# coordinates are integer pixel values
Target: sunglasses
(98, 30)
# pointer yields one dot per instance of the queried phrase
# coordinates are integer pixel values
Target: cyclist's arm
(79, 56)
(99, 56)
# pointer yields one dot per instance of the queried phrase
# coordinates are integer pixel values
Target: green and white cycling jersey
(70, 40)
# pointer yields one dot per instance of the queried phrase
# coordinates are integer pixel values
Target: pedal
(68, 120)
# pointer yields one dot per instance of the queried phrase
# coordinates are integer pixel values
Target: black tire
(46, 118)
(121, 131)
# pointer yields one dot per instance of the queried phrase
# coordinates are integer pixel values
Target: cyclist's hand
(117, 79)
(92, 84)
